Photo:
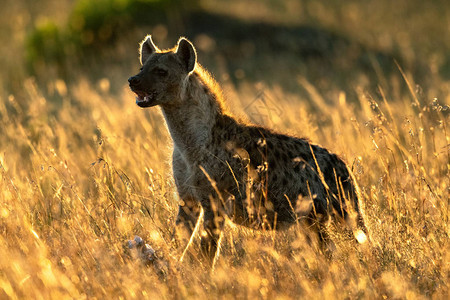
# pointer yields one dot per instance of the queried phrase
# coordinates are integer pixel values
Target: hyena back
(252, 175)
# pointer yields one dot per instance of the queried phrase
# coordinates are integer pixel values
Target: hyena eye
(161, 72)
(141, 68)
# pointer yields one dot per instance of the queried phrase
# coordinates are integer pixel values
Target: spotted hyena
(225, 168)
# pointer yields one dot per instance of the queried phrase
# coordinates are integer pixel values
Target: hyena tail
(361, 234)
(355, 212)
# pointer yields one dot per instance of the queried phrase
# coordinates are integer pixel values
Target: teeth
(141, 97)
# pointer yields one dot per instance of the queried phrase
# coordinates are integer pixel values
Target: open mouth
(144, 99)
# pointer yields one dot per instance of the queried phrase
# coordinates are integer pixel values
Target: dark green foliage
(92, 23)
(45, 43)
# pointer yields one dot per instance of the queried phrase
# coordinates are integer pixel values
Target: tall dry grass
(83, 169)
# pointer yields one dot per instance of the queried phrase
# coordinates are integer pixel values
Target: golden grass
(81, 175)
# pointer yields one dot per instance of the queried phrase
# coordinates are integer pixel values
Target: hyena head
(163, 73)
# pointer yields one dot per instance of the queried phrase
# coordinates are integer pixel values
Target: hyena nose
(133, 80)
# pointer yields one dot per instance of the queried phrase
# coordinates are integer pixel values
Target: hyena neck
(191, 120)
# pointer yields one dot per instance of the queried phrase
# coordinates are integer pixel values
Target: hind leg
(326, 245)
(318, 225)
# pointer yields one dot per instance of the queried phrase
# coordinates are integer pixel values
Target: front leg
(188, 214)
(213, 223)
(189, 208)
(197, 188)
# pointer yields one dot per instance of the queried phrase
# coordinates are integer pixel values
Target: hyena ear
(186, 53)
(147, 48)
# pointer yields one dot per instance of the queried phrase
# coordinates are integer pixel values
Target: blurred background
(350, 46)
